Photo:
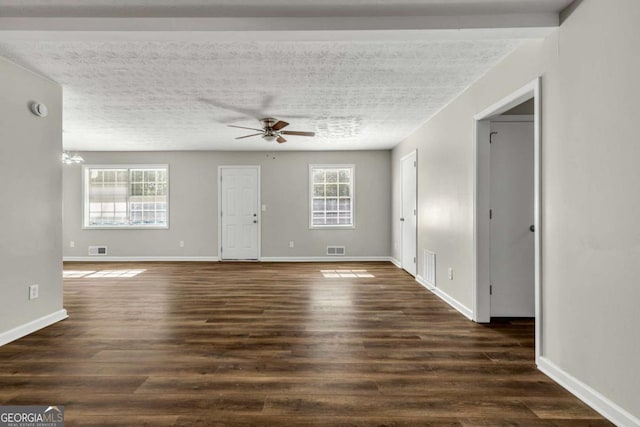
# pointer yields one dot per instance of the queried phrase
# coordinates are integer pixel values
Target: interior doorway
(409, 211)
(507, 186)
(239, 213)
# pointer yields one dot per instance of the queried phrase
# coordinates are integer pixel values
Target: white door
(409, 222)
(512, 273)
(239, 213)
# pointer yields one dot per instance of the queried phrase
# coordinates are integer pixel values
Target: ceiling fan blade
(281, 140)
(243, 127)
(281, 124)
(293, 132)
(247, 136)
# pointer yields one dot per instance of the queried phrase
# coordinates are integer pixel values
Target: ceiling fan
(272, 129)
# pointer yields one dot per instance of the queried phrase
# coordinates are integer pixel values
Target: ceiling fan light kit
(70, 159)
(272, 130)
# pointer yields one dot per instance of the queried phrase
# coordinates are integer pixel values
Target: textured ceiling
(180, 95)
(166, 89)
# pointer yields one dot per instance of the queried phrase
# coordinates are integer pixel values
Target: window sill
(332, 227)
(125, 227)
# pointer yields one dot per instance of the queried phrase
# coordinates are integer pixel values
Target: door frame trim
(402, 159)
(481, 227)
(219, 208)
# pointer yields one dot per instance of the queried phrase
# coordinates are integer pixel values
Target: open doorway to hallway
(507, 211)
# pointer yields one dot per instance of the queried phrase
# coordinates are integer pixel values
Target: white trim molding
(30, 327)
(140, 258)
(325, 259)
(481, 200)
(588, 395)
(414, 254)
(395, 262)
(519, 118)
(463, 309)
(215, 259)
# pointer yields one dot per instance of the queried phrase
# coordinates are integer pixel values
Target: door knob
(532, 228)
(401, 219)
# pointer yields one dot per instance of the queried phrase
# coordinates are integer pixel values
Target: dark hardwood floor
(216, 344)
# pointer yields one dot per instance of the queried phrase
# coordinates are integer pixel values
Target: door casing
(481, 202)
(409, 261)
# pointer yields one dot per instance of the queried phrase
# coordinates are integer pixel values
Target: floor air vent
(429, 268)
(97, 250)
(335, 250)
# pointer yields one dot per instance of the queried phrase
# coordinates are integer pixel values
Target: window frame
(351, 226)
(85, 197)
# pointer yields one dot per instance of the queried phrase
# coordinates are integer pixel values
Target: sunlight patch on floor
(76, 274)
(332, 274)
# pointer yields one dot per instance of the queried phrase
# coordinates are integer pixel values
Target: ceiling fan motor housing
(268, 122)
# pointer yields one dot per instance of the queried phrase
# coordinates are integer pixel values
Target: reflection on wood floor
(207, 344)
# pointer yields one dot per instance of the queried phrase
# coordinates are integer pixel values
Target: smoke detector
(39, 110)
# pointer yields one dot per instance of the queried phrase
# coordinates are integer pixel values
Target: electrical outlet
(182, 243)
(450, 273)
(33, 291)
(291, 243)
(72, 244)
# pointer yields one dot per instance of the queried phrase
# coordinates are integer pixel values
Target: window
(332, 196)
(126, 196)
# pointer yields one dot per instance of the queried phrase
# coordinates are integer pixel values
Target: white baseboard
(588, 395)
(215, 258)
(139, 258)
(395, 262)
(422, 282)
(34, 325)
(463, 309)
(324, 258)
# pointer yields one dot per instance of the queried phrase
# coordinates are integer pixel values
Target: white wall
(590, 200)
(193, 205)
(31, 189)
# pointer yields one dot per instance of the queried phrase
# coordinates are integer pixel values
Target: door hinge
(221, 250)
(414, 260)
(221, 213)
(414, 212)
(490, 289)
(415, 163)
(490, 213)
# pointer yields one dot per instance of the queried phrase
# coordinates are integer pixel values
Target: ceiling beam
(278, 28)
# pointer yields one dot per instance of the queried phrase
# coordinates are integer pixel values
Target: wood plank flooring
(256, 344)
